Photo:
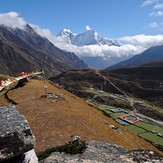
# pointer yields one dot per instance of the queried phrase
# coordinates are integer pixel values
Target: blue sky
(110, 18)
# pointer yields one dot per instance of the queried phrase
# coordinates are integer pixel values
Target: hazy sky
(110, 18)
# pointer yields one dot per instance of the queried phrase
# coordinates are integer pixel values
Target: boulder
(16, 137)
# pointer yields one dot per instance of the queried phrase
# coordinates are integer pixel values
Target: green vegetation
(143, 129)
(153, 138)
(135, 129)
(150, 127)
(73, 147)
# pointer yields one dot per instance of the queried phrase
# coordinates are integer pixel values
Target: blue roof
(123, 123)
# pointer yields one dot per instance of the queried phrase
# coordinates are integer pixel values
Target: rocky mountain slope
(24, 50)
(59, 115)
(151, 55)
(103, 152)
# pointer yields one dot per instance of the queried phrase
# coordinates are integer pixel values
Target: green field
(135, 129)
(153, 138)
(150, 127)
(143, 129)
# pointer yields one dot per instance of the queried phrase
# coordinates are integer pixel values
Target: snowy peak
(66, 34)
(89, 37)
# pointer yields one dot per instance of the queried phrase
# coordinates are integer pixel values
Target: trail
(148, 118)
(130, 99)
(106, 79)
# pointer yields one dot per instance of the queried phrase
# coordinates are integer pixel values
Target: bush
(73, 147)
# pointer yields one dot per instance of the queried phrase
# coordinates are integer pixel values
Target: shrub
(73, 147)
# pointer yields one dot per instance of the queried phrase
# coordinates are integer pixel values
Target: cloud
(149, 2)
(157, 13)
(103, 51)
(158, 6)
(42, 32)
(13, 20)
(87, 28)
(134, 45)
(155, 25)
(152, 25)
(145, 41)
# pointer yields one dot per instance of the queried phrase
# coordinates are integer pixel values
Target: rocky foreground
(100, 152)
(16, 138)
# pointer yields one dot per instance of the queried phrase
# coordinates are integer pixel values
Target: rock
(101, 152)
(30, 157)
(16, 137)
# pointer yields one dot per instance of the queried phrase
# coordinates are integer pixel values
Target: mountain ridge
(29, 52)
(151, 55)
(89, 37)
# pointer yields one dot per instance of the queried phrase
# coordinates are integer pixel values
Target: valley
(54, 120)
(81, 81)
(114, 93)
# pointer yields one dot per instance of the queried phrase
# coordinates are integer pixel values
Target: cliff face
(16, 137)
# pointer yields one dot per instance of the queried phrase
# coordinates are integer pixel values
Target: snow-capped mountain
(89, 37)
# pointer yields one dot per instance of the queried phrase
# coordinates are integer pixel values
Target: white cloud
(152, 25)
(135, 45)
(149, 2)
(12, 19)
(42, 32)
(87, 27)
(156, 26)
(158, 6)
(104, 51)
(145, 41)
(157, 13)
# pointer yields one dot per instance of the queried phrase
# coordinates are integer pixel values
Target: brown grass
(54, 122)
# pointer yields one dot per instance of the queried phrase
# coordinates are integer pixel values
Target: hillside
(54, 120)
(151, 55)
(143, 82)
(24, 50)
(154, 64)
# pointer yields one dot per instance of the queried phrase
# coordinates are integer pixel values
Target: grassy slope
(53, 123)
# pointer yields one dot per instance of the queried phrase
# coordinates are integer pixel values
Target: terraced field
(144, 129)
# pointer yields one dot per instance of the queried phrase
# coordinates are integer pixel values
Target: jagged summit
(89, 37)
(64, 31)
(66, 34)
